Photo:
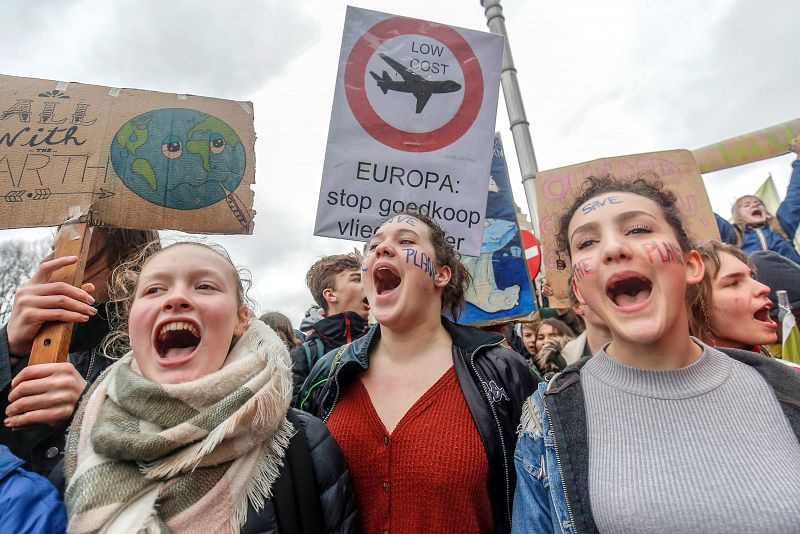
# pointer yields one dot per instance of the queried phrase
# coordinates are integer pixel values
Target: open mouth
(177, 340)
(366, 303)
(756, 213)
(386, 279)
(628, 290)
(762, 315)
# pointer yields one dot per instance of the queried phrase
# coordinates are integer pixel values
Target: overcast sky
(598, 79)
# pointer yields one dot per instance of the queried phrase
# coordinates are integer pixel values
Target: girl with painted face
(192, 430)
(425, 409)
(657, 432)
(730, 308)
(754, 228)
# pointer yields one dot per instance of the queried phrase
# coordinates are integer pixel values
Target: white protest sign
(411, 127)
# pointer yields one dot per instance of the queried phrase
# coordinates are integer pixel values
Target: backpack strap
(296, 497)
(311, 359)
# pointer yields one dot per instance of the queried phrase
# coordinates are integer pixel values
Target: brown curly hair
(646, 185)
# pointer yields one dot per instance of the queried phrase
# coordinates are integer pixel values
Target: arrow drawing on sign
(43, 193)
(239, 209)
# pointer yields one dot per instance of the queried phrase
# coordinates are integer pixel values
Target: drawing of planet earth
(178, 158)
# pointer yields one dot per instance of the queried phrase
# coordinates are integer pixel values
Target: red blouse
(430, 475)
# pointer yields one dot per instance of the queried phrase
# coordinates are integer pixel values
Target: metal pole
(516, 111)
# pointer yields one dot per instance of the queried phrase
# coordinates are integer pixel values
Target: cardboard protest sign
(754, 146)
(137, 159)
(411, 127)
(501, 287)
(676, 169)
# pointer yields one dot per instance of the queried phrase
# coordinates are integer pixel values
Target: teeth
(178, 325)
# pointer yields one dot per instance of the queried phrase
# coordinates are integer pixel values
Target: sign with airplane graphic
(412, 127)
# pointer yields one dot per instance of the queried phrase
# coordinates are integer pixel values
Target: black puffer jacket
(332, 332)
(42, 447)
(333, 482)
(495, 382)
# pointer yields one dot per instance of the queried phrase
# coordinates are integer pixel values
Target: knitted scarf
(148, 457)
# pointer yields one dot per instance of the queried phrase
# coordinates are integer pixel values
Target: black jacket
(333, 332)
(333, 482)
(564, 401)
(495, 382)
(41, 447)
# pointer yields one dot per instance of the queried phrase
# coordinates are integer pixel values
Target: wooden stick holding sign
(52, 342)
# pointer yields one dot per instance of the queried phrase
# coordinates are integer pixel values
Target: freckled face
(626, 268)
(184, 314)
(399, 273)
(739, 310)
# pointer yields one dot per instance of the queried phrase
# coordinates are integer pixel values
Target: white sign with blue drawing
(501, 287)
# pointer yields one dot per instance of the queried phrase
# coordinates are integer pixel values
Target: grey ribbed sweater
(705, 448)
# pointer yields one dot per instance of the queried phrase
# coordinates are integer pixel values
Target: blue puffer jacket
(764, 238)
(28, 502)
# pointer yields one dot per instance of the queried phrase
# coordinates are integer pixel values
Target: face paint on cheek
(583, 268)
(421, 261)
(597, 204)
(666, 252)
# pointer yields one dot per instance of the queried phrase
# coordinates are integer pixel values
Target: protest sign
(754, 146)
(501, 287)
(556, 189)
(411, 127)
(136, 159)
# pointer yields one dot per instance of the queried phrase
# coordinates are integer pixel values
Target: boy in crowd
(335, 284)
(590, 340)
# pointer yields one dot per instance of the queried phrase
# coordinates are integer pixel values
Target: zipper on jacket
(560, 469)
(335, 399)
(497, 422)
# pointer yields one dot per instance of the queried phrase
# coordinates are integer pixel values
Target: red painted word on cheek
(663, 252)
(583, 268)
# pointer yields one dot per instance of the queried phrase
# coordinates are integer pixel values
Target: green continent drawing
(178, 158)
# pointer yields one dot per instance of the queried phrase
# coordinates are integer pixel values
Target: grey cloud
(224, 49)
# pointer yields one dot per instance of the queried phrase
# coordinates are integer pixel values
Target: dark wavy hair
(455, 292)
(646, 185)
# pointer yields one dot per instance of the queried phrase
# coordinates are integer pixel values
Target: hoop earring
(706, 321)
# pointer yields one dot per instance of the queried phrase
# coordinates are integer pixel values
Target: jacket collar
(467, 338)
(8, 461)
(333, 330)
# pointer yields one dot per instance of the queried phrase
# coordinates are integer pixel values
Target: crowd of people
(653, 404)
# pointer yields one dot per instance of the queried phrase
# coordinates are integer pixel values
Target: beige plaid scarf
(148, 457)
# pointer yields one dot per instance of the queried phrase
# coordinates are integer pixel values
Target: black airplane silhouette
(413, 83)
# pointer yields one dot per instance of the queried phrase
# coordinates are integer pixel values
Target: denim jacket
(552, 460)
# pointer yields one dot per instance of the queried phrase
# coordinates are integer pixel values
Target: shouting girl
(191, 431)
(425, 410)
(657, 432)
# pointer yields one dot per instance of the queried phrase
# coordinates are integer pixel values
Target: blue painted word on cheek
(583, 268)
(420, 260)
(663, 252)
(597, 204)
